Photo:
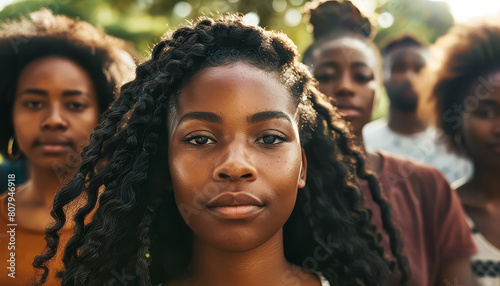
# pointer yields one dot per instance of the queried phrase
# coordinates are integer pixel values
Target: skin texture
(55, 102)
(345, 55)
(401, 69)
(235, 131)
(345, 70)
(481, 137)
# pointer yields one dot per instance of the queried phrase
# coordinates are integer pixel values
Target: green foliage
(143, 22)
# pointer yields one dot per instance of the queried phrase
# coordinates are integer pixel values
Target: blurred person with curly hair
(57, 76)
(462, 97)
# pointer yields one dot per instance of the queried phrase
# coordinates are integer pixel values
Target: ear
(303, 171)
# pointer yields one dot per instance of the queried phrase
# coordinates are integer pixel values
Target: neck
(373, 160)
(42, 186)
(485, 182)
(405, 122)
(264, 265)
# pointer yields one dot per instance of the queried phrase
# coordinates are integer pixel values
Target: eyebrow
(336, 65)
(359, 64)
(203, 116)
(45, 93)
(267, 115)
(329, 64)
(212, 117)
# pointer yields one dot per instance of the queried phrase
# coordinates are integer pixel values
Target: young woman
(435, 238)
(57, 76)
(464, 98)
(230, 168)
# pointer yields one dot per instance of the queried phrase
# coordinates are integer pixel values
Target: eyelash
(73, 106)
(194, 137)
(30, 104)
(275, 135)
(79, 106)
(358, 77)
(486, 113)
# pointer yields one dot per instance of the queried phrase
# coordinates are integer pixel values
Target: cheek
(82, 127)
(475, 131)
(283, 174)
(367, 96)
(190, 178)
(328, 89)
(26, 126)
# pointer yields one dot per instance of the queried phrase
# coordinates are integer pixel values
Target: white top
(424, 146)
(486, 263)
(324, 282)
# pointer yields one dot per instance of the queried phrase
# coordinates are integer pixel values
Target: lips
(348, 110)
(235, 205)
(234, 199)
(53, 144)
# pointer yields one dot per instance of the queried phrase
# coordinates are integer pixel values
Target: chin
(63, 166)
(239, 240)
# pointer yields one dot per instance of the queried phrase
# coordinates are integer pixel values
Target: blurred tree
(427, 20)
(143, 22)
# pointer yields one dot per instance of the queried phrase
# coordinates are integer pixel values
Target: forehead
(237, 87)
(486, 86)
(408, 53)
(62, 70)
(345, 51)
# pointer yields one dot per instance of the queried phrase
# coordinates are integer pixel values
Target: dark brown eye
(268, 139)
(363, 78)
(200, 140)
(33, 104)
(486, 113)
(325, 77)
(271, 139)
(76, 106)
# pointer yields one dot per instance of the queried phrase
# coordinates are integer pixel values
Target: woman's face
(55, 109)
(235, 157)
(481, 121)
(345, 69)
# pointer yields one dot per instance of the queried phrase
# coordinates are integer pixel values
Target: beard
(402, 96)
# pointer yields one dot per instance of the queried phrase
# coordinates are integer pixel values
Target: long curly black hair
(136, 216)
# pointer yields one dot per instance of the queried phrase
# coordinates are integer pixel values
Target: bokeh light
(385, 20)
(293, 17)
(251, 18)
(182, 9)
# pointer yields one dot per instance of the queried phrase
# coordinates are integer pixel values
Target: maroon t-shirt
(427, 212)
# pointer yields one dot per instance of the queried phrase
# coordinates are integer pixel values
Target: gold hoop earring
(10, 150)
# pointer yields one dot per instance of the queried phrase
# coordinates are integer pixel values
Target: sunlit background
(143, 22)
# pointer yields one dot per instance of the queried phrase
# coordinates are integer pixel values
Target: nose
(235, 165)
(345, 86)
(54, 119)
(411, 75)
